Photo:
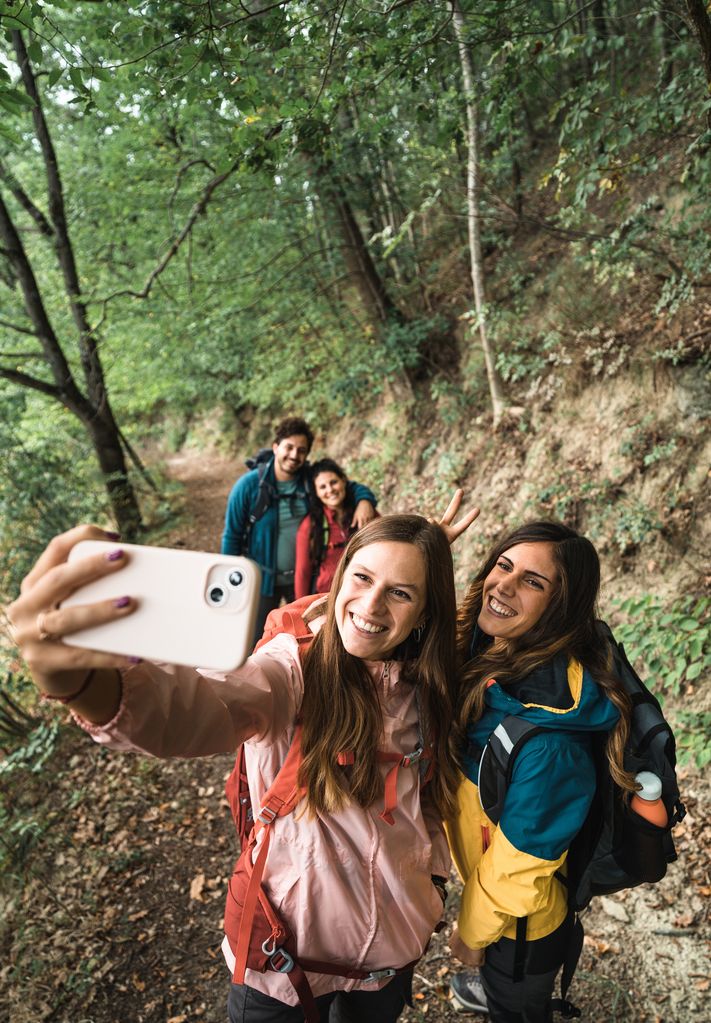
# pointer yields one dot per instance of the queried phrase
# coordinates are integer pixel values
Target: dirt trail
(207, 478)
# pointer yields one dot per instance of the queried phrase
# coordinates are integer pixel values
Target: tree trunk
(378, 305)
(702, 23)
(496, 391)
(106, 439)
(93, 408)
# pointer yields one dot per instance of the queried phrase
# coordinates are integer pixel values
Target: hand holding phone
(193, 608)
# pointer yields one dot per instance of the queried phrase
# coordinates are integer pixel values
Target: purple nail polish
(114, 555)
(122, 602)
(135, 660)
(111, 535)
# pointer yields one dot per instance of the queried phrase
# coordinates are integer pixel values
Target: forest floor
(114, 915)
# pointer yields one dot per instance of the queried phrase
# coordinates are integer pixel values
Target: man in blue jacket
(265, 509)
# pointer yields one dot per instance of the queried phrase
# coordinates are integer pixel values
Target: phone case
(194, 608)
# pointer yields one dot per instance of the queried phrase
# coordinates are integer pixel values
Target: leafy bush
(20, 829)
(671, 647)
(692, 737)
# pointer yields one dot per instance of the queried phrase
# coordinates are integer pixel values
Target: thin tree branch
(136, 459)
(331, 52)
(181, 173)
(24, 200)
(198, 209)
(25, 380)
(18, 328)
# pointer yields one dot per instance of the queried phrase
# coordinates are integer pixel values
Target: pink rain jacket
(353, 889)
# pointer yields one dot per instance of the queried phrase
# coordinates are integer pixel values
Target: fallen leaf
(615, 910)
(703, 985)
(685, 920)
(196, 886)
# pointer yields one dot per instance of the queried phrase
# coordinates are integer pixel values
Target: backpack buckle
(279, 959)
(376, 975)
(413, 757)
(266, 815)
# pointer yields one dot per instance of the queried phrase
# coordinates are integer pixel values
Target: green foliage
(20, 828)
(44, 488)
(672, 643)
(692, 738)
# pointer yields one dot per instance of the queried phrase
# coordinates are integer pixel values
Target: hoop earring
(418, 632)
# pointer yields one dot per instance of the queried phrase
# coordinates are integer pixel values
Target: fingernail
(114, 555)
(122, 602)
(135, 660)
(111, 535)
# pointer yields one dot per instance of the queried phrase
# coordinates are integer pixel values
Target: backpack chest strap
(346, 758)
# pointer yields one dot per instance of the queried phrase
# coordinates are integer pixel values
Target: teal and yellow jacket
(509, 870)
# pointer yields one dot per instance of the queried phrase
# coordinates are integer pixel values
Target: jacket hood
(557, 695)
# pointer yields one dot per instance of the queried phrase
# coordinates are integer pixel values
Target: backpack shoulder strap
(265, 494)
(498, 759)
(289, 619)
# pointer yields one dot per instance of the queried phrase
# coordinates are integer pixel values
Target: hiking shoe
(468, 992)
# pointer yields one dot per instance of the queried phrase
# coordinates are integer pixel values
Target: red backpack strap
(289, 619)
(237, 793)
(279, 801)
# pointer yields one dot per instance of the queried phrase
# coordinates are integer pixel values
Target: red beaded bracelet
(72, 696)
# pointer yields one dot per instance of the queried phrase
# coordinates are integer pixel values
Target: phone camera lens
(235, 578)
(216, 595)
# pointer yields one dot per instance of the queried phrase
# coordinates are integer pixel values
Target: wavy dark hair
(566, 626)
(341, 708)
(293, 426)
(317, 514)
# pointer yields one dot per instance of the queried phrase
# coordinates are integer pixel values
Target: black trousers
(268, 603)
(247, 1005)
(528, 999)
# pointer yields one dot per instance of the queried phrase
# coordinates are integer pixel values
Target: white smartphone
(194, 608)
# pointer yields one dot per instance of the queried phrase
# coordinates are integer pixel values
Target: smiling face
(289, 456)
(518, 590)
(381, 600)
(330, 489)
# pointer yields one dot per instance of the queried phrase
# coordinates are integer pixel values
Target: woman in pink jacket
(356, 871)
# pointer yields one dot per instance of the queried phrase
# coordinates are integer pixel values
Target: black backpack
(616, 848)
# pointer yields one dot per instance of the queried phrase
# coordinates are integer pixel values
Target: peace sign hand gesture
(453, 530)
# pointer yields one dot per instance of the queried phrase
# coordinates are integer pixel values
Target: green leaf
(54, 75)
(694, 671)
(76, 79)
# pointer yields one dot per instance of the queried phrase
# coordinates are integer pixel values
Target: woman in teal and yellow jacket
(530, 648)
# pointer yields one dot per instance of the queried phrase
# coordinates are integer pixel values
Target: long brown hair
(341, 710)
(566, 626)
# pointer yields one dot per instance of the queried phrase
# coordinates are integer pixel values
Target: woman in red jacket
(324, 533)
